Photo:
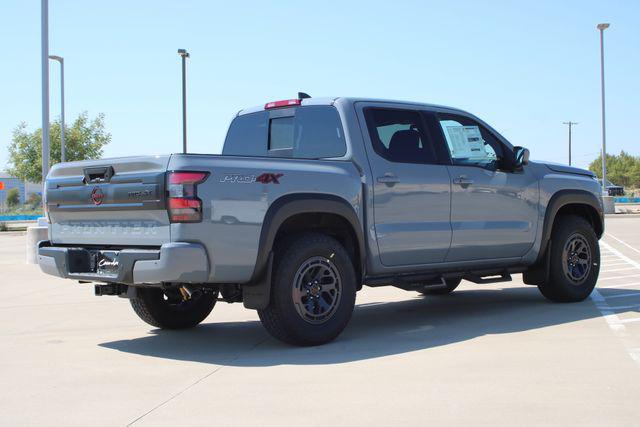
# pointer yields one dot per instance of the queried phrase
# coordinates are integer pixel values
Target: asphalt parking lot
(487, 354)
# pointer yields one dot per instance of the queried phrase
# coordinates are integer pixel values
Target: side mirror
(521, 156)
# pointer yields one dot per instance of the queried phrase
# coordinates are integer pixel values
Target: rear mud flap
(256, 295)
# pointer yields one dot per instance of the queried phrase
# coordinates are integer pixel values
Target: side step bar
(414, 282)
(493, 278)
(436, 283)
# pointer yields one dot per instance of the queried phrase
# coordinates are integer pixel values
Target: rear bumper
(172, 262)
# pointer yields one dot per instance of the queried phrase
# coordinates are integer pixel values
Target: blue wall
(10, 183)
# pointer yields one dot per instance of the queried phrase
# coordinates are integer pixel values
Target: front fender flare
(570, 197)
(539, 271)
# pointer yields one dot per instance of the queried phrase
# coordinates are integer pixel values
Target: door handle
(388, 178)
(463, 180)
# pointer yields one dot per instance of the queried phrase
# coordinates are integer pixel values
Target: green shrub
(13, 198)
(34, 200)
(3, 227)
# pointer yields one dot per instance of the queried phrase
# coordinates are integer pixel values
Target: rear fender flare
(284, 208)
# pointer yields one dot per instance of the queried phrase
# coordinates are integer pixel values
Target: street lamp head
(183, 53)
(56, 58)
(603, 27)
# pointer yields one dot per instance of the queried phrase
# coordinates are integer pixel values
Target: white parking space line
(626, 295)
(619, 277)
(616, 324)
(620, 254)
(623, 285)
(612, 319)
(613, 264)
(622, 242)
(621, 257)
(617, 269)
(621, 307)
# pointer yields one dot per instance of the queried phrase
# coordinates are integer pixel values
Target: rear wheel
(313, 291)
(172, 309)
(575, 261)
(451, 285)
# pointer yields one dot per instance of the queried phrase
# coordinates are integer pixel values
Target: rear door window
(318, 133)
(399, 135)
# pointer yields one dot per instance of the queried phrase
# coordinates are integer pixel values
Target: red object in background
(1, 185)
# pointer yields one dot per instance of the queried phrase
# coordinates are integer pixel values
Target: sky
(523, 67)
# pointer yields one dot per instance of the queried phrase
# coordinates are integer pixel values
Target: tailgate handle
(98, 174)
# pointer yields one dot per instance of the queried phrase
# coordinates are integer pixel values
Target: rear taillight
(183, 203)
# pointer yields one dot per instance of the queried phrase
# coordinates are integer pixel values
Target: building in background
(8, 182)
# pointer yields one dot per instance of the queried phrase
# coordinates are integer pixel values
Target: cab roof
(348, 100)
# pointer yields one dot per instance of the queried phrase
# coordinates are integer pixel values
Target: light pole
(570, 123)
(63, 154)
(184, 54)
(44, 29)
(603, 27)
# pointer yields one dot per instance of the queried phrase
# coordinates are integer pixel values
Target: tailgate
(119, 202)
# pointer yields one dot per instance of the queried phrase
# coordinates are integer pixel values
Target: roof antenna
(302, 95)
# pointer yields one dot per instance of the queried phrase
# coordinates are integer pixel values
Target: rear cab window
(306, 132)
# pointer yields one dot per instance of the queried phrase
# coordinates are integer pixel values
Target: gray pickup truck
(311, 200)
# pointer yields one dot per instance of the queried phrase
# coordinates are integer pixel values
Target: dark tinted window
(318, 133)
(247, 135)
(309, 132)
(399, 135)
(470, 143)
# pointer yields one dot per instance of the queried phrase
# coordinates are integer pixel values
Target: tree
(622, 169)
(85, 139)
(34, 200)
(13, 198)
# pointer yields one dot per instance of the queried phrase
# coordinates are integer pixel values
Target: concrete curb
(34, 235)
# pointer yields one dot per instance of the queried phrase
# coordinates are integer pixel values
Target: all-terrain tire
(567, 280)
(152, 306)
(452, 284)
(295, 311)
